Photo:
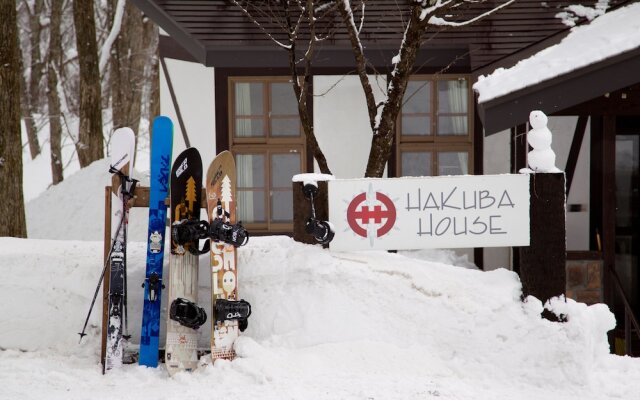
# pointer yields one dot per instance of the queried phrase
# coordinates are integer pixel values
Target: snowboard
(115, 286)
(221, 207)
(161, 146)
(181, 350)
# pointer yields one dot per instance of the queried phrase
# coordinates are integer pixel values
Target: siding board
(217, 23)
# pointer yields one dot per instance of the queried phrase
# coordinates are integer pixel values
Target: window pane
(249, 98)
(251, 206)
(282, 127)
(415, 163)
(283, 99)
(283, 168)
(416, 125)
(453, 163)
(453, 96)
(452, 125)
(249, 127)
(417, 97)
(250, 169)
(282, 206)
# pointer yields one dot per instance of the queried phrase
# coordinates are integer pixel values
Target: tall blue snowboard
(161, 146)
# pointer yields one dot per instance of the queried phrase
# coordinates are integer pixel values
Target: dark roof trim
(275, 57)
(167, 23)
(561, 92)
(434, 57)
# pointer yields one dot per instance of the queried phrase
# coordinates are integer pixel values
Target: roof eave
(175, 30)
(561, 92)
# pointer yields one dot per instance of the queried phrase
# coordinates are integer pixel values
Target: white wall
(194, 87)
(497, 154)
(563, 129)
(341, 123)
(496, 161)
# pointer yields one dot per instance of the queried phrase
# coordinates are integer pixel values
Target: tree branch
(344, 8)
(259, 25)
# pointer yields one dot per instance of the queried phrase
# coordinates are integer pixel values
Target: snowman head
(538, 119)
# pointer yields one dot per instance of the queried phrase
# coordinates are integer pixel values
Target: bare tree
(127, 70)
(54, 64)
(151, 105)
(383, 115)
(12, 216)
(32, 76)
(89, 145)
(294, 28)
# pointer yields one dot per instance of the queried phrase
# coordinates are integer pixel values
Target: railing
(629, 316)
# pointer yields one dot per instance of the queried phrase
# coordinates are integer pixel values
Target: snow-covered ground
(366, 325)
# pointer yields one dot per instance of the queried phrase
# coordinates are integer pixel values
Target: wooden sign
(430, 212)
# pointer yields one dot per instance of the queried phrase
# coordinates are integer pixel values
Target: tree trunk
(127, 70)
(152, 73)
(32, 84)
(12, 217)
(27, 115)
(90, 145)
(54, 64)
(383, 137)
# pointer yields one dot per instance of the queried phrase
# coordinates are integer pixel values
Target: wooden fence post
(543, 262)
(302, 210)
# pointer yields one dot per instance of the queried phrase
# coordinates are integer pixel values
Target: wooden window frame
(435, 149)
(266, 116)
(265, 145)
(435, 143)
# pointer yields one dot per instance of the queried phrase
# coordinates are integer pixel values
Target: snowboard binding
(322, 231)
(234, 234)
(233, 310)
(222, 231)
(187, 313)
(190, 231)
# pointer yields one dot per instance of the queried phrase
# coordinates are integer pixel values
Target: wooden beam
(574, 152)
(174, 99)
(141, 199)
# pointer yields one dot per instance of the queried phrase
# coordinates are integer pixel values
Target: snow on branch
(442, 22)
(113, 34)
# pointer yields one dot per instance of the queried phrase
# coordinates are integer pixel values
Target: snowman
(541, 158)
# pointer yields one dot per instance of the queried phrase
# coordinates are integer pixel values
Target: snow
(359, 325)
(606, 36)
(575, 11)
(312, 178)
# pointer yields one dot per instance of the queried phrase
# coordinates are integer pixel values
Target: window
(267, 141)
(434, 134)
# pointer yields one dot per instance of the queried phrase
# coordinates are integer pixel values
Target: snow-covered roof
(614, 33)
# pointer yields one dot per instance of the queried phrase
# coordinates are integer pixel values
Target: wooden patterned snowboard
(221, 189)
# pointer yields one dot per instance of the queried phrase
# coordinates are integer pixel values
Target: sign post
(430, 212)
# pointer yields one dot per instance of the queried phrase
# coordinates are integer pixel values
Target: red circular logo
(359, 216)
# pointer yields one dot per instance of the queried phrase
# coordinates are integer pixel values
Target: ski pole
(104, 269)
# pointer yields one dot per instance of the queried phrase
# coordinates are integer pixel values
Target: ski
(229, 315)
(161, 146)
(122, 188)
(181, 350)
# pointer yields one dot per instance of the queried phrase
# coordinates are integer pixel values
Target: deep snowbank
(324, 325)
(74, 209)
